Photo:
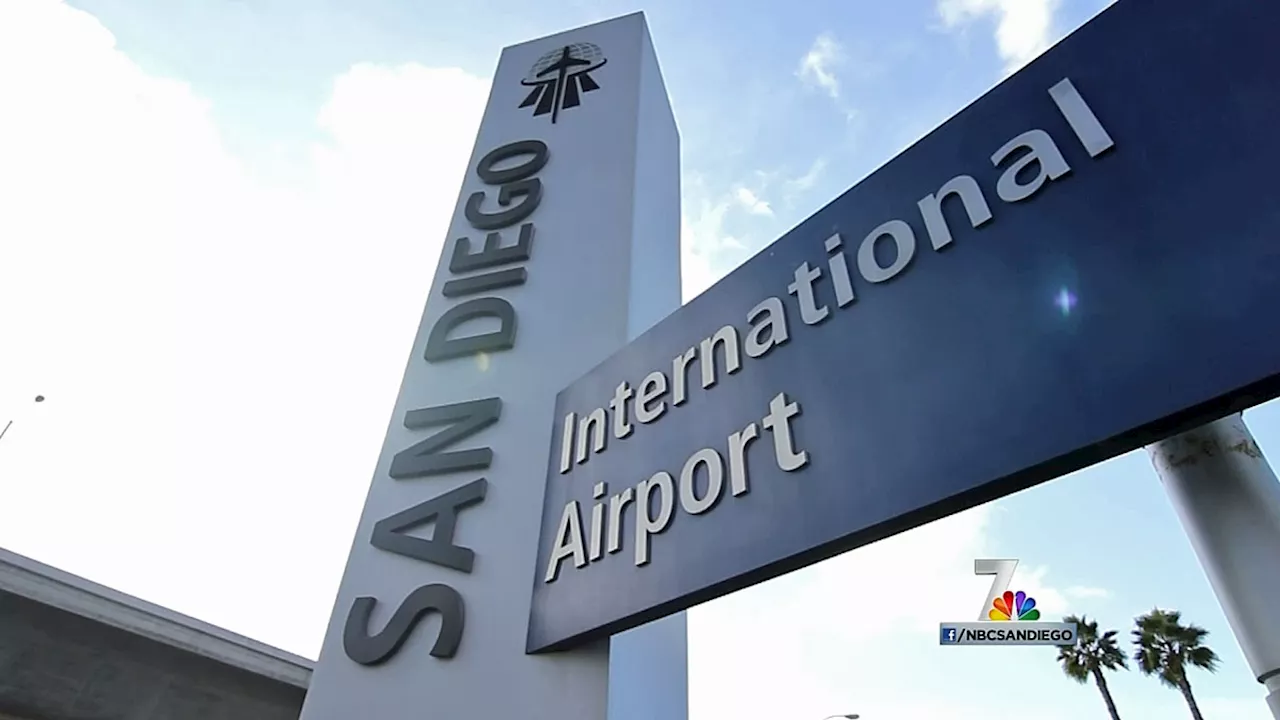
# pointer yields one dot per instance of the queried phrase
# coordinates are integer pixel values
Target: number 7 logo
(1003, 572)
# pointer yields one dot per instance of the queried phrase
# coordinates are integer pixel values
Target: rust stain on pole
(1247, 447)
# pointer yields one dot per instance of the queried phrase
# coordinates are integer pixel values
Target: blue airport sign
(1083, 261)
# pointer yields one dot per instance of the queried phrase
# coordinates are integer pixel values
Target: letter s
(376, 649)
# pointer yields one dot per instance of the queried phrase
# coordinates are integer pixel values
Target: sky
(219, 220)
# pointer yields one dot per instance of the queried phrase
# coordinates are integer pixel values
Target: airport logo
(560, 78)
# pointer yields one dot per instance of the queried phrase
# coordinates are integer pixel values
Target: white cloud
(818, 66)
(711, 250)
(1024, 28)
(928, 570)
(858, 633)
(704, 245)
(1081, 591)
(696, 268)
(205, 340)
(805, 183)
(752, 202)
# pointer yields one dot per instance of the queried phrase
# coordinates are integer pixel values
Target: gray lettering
(389, 533)
(529, 189)
(492, 252)
(464, 420)
(483, 283)
(376, 649)
(442, 347)
(535, 149)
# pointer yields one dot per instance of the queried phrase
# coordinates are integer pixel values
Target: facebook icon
(949, 635)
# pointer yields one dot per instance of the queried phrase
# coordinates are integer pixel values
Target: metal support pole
(1228, 499)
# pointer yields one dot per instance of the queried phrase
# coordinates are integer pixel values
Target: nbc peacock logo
(1007, 617)
(1014, 606)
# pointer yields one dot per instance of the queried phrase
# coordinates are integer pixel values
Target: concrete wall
(74, 650)
(55, 665)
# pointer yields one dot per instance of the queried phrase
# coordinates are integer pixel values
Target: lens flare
(1065, 300)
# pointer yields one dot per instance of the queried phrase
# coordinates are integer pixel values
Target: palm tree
(1091, 656)
(1166, 648)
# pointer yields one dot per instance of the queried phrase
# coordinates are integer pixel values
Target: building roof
(50, 586)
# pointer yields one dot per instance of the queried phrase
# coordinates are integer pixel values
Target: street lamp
(39, 399)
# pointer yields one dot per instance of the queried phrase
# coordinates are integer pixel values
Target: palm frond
(1164, 647)
(1074, 667)
(1203, 658)
(1092, 652)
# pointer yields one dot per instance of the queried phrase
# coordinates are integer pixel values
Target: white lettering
(594, 551)
(839, 267)
(738, 442)
(680, 376)
(568, 541)
(652, 388)
(592, 427)
(778, 423)
(727, 338)
(1026, 164)
(1080, 117)
(617, 504)
(657, 498)
(566, 442)
(810, 312)
(975, 206)
(773, 326)
(1043, 153)
(646, 524)
(903, 239)
(621, 426)
(711, 460)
